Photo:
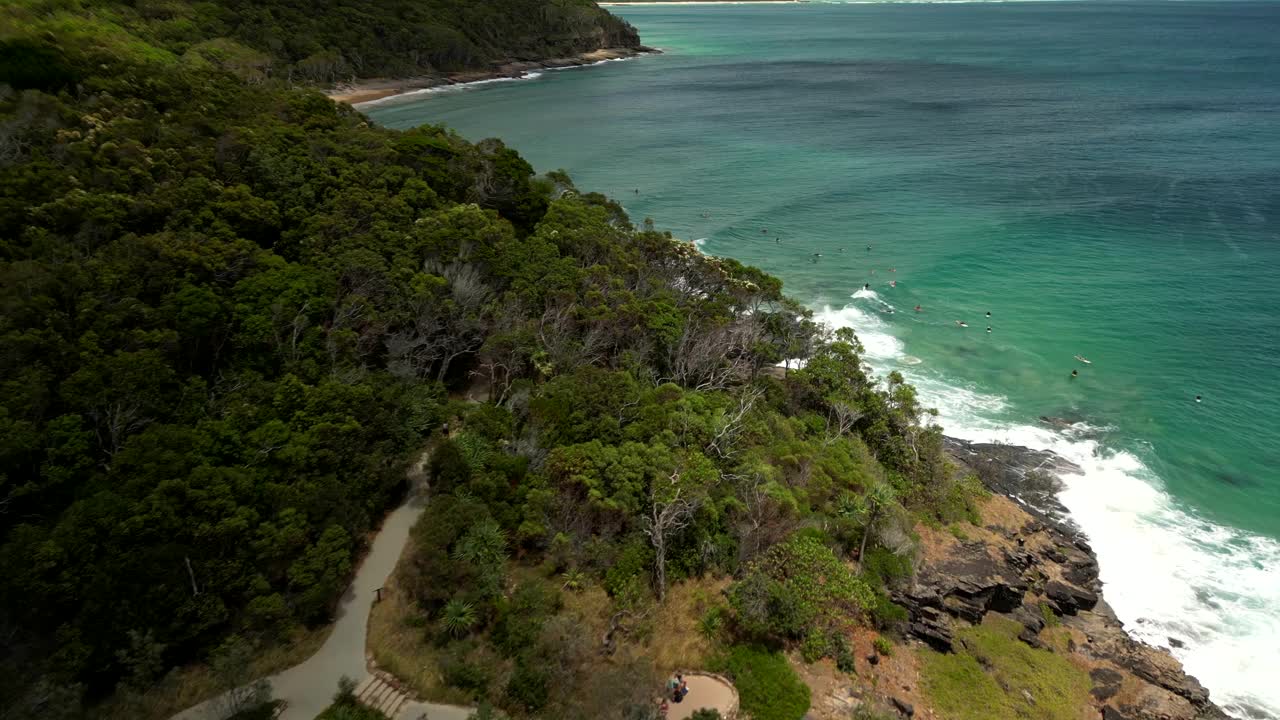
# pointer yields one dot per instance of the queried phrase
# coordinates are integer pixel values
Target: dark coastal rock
(967, 585)
(1069, 599)
(1106, 683)
(1019, 558)
(933, 627)
(1030, 637)
(1029, 617)
(1019, 472)
(1176, 643)
(902, 706)
(1108, 641)
(1110, 713)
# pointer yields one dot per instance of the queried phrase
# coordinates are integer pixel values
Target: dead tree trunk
(666, 518)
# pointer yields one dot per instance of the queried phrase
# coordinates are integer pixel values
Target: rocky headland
(1029, 564)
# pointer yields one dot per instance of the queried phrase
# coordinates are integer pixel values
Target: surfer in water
(866, 286)
(1075, 373)
(988, 328)
(988, 313)
(778, 240)
(868, 248)
(893, 283)
(961, 323)
(1197, 398)
(917, 308)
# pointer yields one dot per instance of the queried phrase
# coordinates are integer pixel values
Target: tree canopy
(234, 311)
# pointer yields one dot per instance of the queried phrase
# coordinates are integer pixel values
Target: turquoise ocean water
(1103, 178)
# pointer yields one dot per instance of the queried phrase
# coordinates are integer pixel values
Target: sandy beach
(371, 89)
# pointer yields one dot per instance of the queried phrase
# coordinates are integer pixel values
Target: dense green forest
(232, 312)
(325, 41)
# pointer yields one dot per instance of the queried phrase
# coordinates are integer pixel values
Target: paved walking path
(309, 687)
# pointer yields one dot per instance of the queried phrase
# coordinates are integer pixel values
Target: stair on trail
(381, 695)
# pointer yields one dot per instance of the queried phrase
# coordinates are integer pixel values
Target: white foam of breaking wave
(1168, 573)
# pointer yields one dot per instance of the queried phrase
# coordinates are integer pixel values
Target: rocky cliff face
(1032, 566)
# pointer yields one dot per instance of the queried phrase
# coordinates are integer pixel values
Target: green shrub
(476, 450)
(712, 621)
(459, 672)
(842, 653)
(796, 585)
(632, 563)
(265, 711)
(815, 646)
(885, 613)
(520, 618)
(1051, 618)
(881, 567)
(768, 688)
(350, 710)
(527, 688)
(883, 646)
(491, 422)
(486, 711)
(447, 468)
(705, 714)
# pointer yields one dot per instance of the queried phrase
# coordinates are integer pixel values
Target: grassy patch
(186, 686)
(398, 643)
(768, 688)
(971, 683)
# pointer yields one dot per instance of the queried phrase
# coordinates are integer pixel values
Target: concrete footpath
(309, 687)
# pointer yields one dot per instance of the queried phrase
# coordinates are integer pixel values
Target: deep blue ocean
(1103, 178)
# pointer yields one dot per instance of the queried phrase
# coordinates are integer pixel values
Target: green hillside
(232, 313)
(324, 41)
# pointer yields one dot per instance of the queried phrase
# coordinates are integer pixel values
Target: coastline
(624, 3)
(1036, 561)
(366, 90)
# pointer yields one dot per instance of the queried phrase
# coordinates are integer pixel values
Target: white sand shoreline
(372, 90)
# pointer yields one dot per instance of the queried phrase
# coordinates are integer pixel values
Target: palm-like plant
(483, 547)
(574, 580)
(458, 617)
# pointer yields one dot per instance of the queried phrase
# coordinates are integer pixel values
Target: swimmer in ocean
(778, 240)
(868, 248)
(893, 283)
(866, 286)
(1075, 373)
(917, 308)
